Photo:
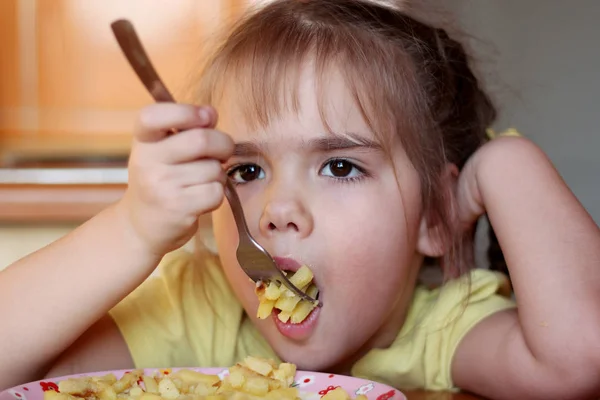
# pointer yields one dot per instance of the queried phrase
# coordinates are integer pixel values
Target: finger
(198, 172)
(157, 120)
(195, 144)
(204, 198)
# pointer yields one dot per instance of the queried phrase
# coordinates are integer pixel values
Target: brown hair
(407, 77)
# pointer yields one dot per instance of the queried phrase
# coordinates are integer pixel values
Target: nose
(286, 214)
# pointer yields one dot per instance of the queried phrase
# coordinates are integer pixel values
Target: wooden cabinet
(68, 96)
(65, 87)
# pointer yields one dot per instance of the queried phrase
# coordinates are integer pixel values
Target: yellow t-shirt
(188, 316)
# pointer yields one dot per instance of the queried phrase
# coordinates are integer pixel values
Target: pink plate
(312, 385)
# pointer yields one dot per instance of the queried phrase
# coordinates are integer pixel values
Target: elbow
(578, 386)
(577, 377)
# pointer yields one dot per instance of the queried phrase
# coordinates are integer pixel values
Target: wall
(541, 60)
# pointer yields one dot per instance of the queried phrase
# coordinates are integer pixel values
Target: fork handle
(138, 59)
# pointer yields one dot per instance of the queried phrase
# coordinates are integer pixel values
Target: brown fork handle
(137, 57)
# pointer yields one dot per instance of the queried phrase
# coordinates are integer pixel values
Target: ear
(431, 241)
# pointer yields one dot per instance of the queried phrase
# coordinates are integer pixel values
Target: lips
(300, 331)
(287, 264)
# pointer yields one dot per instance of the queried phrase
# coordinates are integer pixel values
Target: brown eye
(246, 173)
(341, 168)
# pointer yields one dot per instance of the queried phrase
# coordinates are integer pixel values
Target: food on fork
(274, 296)
(252, 379)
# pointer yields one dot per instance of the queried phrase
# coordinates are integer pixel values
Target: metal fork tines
(254, 260)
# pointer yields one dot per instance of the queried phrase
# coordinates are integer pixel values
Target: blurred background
(68, 98)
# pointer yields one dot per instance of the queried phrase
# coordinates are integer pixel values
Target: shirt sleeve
(185, 315)
(421, 356)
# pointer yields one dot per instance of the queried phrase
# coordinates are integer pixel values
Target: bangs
(258, 69)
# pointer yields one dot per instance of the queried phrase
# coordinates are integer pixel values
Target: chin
(311, 357)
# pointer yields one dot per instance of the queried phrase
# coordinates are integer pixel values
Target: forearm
(48, 299)
(552, 248)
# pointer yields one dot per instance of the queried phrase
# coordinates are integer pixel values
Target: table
(421, 395)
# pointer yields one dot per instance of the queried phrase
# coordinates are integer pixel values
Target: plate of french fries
(251, 379)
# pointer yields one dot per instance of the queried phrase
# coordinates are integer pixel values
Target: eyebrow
(325, 144)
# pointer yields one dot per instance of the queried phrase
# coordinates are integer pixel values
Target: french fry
(287, 303)
(303, 277)
(258, 365)
(336, 394)
(127, 381)
(304, 308)
(52, 395)
(149, 396)
(167, 389)
(256, 385)
(193, 378)
(272, 292)
(284, 316)
(265, 308)
(135, 391)
(76, 387)
(150, 384)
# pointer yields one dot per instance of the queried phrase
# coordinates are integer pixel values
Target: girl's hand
(173, 179)
(468, 197)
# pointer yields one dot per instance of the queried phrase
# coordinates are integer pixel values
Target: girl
(355, 133)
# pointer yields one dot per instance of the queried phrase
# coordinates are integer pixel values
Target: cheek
(370, 252)
(371, 246)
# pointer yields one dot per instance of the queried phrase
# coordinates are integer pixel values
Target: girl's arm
(48, 299)
(550, 347)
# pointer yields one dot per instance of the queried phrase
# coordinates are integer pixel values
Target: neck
(388, 332)
(383, 337)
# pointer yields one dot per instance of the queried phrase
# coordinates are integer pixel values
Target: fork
(252, 257)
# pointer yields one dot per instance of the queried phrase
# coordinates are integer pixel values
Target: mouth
(297, 331)
(300, 324)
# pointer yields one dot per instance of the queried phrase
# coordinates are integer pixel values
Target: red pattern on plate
(387, 395)
(46, 386)
(329, 389)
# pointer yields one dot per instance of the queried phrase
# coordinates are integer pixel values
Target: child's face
(336, 204)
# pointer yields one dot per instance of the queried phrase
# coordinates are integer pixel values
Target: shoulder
(437, 320)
